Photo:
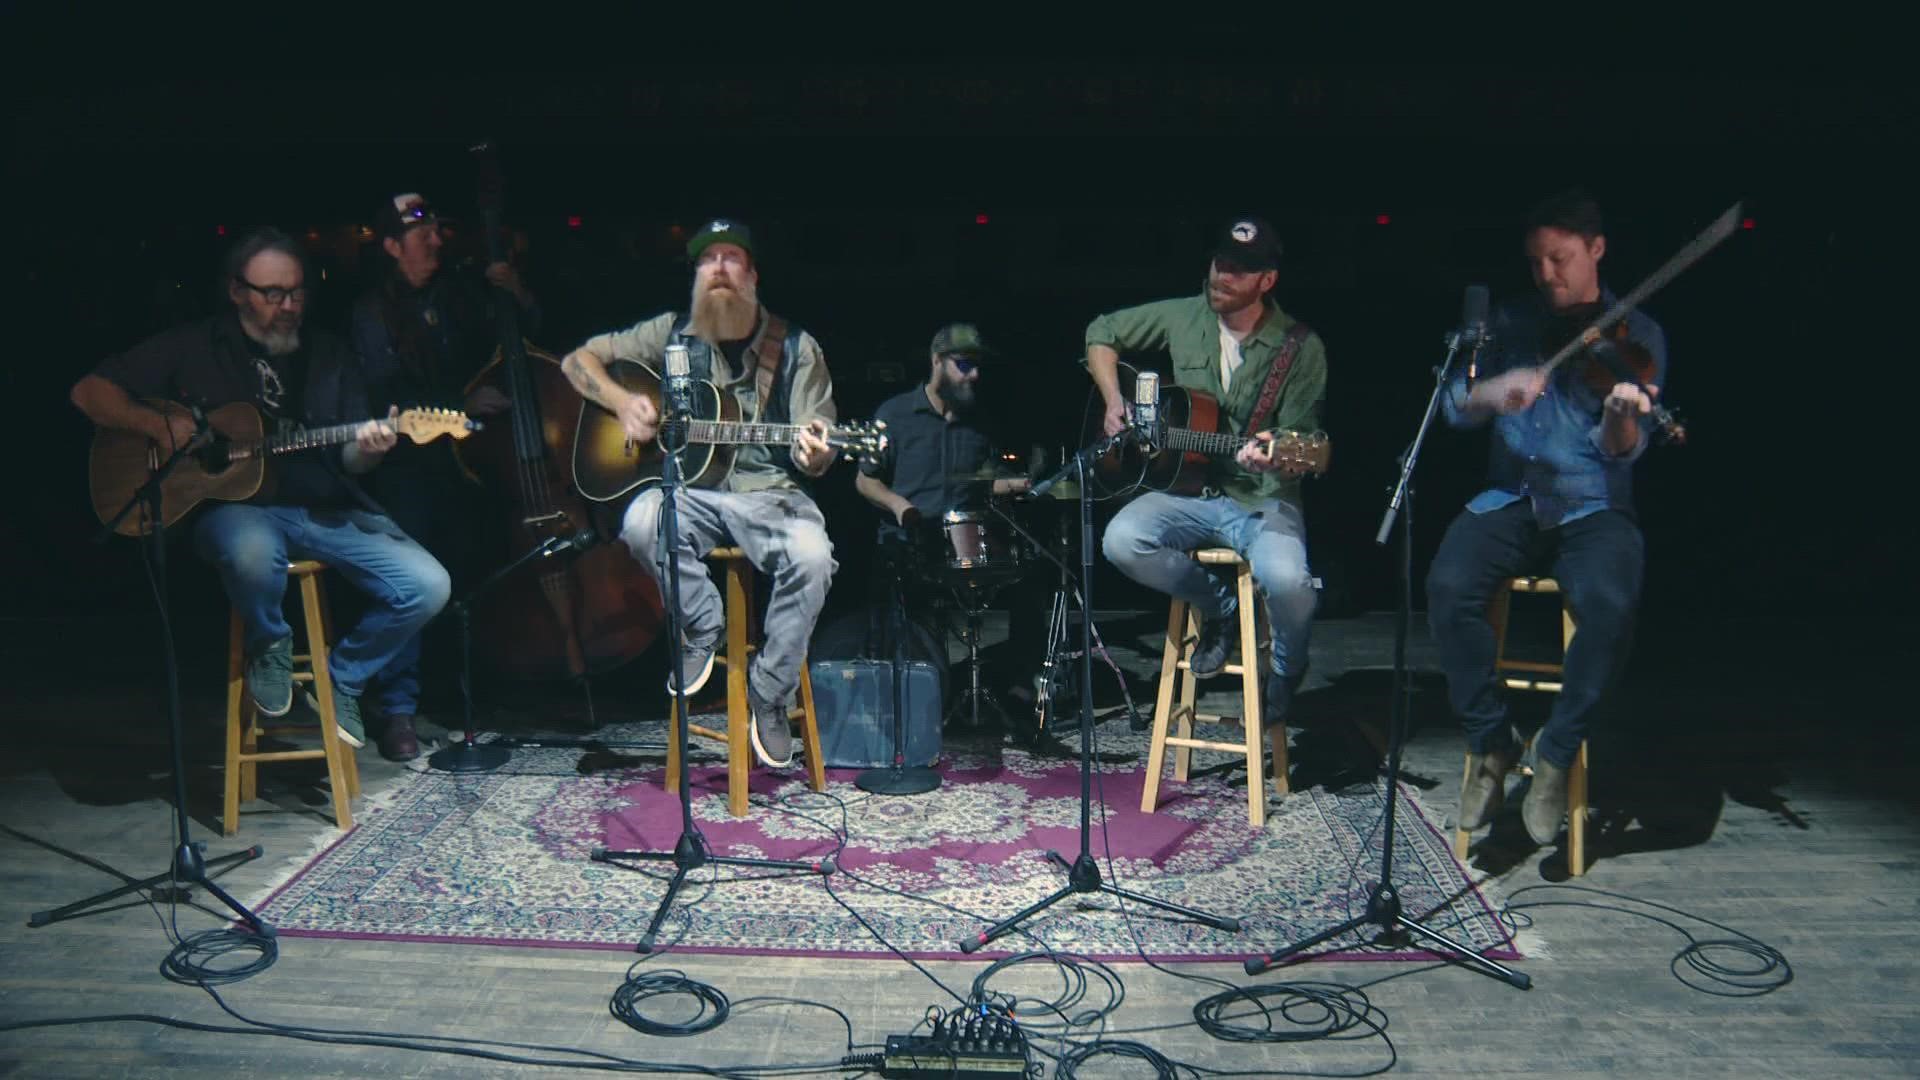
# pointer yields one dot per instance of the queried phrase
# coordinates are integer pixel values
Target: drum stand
(974, 602)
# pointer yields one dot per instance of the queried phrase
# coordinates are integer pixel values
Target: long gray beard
(721, 317)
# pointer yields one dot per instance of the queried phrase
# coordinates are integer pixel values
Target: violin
(1600, 360)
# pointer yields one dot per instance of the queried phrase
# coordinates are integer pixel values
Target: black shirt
(212, 362)
(928, 457)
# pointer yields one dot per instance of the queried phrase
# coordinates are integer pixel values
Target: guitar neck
(741, 433)
(1205, 442)
(298, 439)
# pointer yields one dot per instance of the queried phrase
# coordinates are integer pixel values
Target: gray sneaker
(696, 662)
(771, 732)
(346, 716)
(270, 678)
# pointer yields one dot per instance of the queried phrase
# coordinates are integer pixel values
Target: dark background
(1030, 193)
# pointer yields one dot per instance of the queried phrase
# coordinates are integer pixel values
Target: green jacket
(1190, 332)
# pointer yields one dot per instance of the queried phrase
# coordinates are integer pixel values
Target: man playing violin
(1268, 371)
(258, 353)
(1559, 497)
(736, 343)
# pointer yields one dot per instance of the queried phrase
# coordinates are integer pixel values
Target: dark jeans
(1598, 561)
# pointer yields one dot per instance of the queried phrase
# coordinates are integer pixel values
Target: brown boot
(1546, 802)
(1485, 788)
(397, 741)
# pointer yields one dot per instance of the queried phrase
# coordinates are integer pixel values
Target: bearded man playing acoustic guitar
(256, 353)
(750, 354)
(1269, 371)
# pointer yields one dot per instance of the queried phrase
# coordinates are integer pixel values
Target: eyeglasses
(274, 294)
(966, 365)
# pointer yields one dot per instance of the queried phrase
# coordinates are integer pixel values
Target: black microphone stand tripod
(1083, 874)
(1383, 900)
(189, 865)
(690, 852)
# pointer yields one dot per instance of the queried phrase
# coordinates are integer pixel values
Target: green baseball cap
(720, 231)
(963, 338)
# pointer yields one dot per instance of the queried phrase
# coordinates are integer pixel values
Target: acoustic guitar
(232, 466)
(1191, 434)
(608, 465)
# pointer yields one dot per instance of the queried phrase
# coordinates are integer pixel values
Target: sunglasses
(966, 365)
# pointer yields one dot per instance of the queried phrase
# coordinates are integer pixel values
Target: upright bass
(585, 612)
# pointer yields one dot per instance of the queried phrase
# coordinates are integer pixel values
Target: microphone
(1472, 331)
(679, 382)
(577, 541)
(1146, 409)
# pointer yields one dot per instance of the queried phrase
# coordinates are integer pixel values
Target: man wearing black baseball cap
(776, 373)
(1269, 372)
(423, 331)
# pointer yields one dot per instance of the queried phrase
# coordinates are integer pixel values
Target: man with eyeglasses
(256, 351)
(940, 456)
(422, 332)
(1268, 370)
(776, 373)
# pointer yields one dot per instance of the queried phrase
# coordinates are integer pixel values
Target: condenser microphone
(679, 382)
(1472, 331)
(1146, 409)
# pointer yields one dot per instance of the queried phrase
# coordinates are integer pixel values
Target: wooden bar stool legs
(1544, 677)
(245, 725)
(1183, 631)
(741, 623)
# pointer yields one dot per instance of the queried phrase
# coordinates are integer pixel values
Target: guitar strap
(1277, 374)
(767, 355)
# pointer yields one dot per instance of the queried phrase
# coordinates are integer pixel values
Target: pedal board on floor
(986, 1052)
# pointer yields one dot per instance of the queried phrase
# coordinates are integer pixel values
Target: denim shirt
(1551, 452)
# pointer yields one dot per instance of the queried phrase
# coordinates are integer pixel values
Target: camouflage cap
(962, 338)
(720, 231)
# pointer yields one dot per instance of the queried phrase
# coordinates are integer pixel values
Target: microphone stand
(465, 756)
(1083, 874)
(690, 852)
(189, 861)
(1383, 900)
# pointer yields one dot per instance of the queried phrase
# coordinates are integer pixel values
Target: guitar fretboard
(1204, 442)
(298, 439)
(738, 433)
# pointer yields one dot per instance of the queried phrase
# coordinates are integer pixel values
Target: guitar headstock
(1308, 451)
(859, 438)
(426, 425)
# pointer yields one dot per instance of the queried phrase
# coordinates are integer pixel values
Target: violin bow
(1709, 238)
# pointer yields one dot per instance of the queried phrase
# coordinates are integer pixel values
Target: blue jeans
(1598, 561)
(1151, 539)
(251, 546)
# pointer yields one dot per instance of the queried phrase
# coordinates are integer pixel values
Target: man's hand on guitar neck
(371, 441)
(1257, 456)
(811, 451)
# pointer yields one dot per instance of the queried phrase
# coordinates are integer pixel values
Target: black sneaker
(771, 731)
(270, 678)
(1210, 653)
(1276, 697)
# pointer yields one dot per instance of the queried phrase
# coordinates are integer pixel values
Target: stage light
(573, 221)
(1382, 219)
(979, 219)
(1746, 223)
(219, 230)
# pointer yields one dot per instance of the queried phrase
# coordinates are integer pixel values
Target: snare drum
(974, 542)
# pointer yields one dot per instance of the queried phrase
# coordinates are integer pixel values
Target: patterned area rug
(503, 859)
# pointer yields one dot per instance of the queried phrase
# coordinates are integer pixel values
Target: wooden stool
(1183, 632)
(1544, 677)
(741, 623)
(244, 726)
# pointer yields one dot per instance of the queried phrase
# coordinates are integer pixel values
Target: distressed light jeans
(784, 536)
(1151, 540)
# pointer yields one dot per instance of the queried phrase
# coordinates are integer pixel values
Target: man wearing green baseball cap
(776, 373)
